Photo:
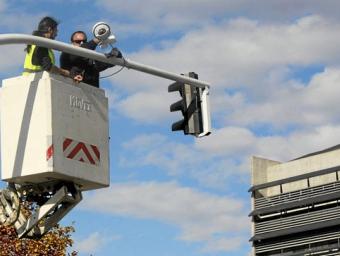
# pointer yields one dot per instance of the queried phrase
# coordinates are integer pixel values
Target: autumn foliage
(53, 243)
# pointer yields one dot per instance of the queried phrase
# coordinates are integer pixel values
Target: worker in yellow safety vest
(40, 58)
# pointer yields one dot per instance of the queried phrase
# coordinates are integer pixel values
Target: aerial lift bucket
(54, 145)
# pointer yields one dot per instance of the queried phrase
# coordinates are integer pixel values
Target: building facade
(296, 205)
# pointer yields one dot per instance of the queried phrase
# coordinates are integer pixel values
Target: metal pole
(56, 45)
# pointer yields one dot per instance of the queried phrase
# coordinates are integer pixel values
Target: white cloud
(243, 51)
(228, 141)
(224, 244)
(19, 22)
(298, 143)
(210, 168)
(93, 243)
(146, 106)
(202, 217)
(255, 60)
(221, 160)
(15, 20)
(178, 15)
(276, 147)
(11, 61)
(287, 9)
(313, 104)
(157, 150)
(3, 5)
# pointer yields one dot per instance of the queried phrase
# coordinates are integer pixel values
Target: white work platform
(54, 129)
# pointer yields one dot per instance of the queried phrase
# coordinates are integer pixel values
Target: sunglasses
(79, 41)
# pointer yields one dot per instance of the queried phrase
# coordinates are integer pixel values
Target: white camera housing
(102, 32)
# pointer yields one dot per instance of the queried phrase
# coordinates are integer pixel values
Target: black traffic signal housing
(194, 107)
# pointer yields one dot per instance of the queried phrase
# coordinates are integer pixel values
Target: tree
(53, 243)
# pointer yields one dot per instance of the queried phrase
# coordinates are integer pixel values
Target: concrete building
(296, 205)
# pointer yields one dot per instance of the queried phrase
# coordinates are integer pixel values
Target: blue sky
(274, 67)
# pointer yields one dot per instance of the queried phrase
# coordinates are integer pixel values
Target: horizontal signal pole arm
(60, 46)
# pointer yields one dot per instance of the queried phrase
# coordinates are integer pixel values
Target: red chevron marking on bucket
(49, 152)
(80, 151)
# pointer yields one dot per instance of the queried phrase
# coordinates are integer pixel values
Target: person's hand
(114, 53)
(78, 78)
(76, 74)
(54, 69)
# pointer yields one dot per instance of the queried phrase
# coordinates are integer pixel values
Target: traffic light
(194, 106)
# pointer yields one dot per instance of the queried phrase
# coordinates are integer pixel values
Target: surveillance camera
(102, 32)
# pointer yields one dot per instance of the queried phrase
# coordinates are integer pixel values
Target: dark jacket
(88, 68)
(40, 55)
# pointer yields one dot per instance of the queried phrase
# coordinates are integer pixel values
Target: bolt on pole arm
(60, 46)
